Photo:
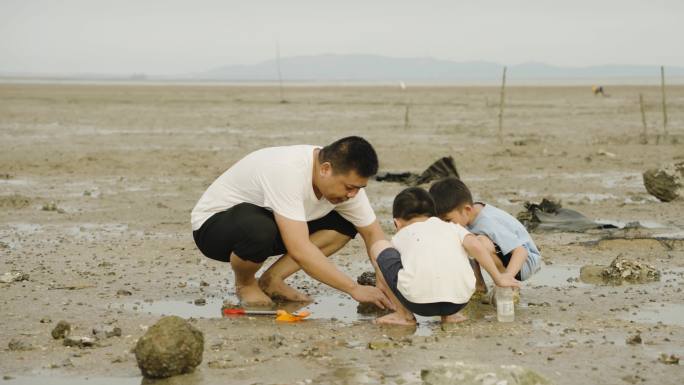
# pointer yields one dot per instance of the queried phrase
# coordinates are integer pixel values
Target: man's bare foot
(396, 318)
(251, 295)
(454, 318)
(278, 290)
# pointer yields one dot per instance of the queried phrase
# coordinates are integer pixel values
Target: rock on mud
(14, 276)
(666, 183)
(170, 347)
(61, 330)
(81, 342)
(17, 345)
(366, 278)
(474, 374)
(106, 332)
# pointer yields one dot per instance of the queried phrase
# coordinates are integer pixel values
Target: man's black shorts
(251, 233)
(389, 262)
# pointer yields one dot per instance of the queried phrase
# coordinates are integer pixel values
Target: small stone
(45, 320)
(170, 347)
(200, 302)
(123, 292)
(107, 332)
(61, 330)
(367, 278)
(669, 359)
(17, 345)
(13, 276)
(634, 340)
(380, 344)
(81, 342)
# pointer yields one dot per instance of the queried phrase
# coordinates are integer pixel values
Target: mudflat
(97, 183)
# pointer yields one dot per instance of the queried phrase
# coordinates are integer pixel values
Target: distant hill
(373, 68)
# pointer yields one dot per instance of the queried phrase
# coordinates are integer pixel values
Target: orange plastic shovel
(284, 316)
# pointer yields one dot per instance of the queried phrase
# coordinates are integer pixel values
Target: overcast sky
(166, 37)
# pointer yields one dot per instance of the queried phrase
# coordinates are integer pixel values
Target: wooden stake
(501, 105)
(280, 76)
(644, 135)
(406, 118)
(662, 88)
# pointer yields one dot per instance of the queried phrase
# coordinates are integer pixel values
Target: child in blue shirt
(504, 237)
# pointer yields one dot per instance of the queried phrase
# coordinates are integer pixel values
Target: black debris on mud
(551, 216)
(441, 168)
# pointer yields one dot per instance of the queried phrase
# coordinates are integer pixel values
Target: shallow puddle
(556, 276)
(330, 307)
(658, 312)
(55, 380)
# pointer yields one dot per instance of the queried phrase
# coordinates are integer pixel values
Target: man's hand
(371, 294)
(506, 280)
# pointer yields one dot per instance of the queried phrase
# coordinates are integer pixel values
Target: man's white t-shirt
(435, 264)
(278, 179)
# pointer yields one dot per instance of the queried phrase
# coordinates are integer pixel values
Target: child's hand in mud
(507, 280)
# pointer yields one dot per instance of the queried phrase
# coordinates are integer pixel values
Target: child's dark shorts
(389, 262)
(251, 233)
(505, 259)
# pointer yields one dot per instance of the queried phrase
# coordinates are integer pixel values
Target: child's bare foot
(251, 295)
(454, 318)
(277, 289)
(396, 318)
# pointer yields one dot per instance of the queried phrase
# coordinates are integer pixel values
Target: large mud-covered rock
(667, 183)
(632, 271)
(474, 374)
(170, 347)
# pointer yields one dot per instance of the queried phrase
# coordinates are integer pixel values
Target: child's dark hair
(448, 194)
(413, 202)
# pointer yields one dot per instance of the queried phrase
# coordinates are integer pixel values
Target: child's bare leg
(491, 249)
(401, 316)
(480, 286)
(454, 318)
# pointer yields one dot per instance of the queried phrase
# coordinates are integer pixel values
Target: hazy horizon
(176, 37)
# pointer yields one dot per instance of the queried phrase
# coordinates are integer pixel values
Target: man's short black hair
(352, 153)
(413, 202)
(450, 193)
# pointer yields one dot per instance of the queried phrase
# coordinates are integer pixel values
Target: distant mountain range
(373, 68)
(382, 69)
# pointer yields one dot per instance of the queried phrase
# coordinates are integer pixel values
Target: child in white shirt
(426, 265)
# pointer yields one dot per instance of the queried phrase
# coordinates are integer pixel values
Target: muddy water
(336, 308)
(657, 313)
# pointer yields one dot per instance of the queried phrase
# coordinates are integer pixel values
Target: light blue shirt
(508, 233)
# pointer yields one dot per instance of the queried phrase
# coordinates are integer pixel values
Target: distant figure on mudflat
(597, 90)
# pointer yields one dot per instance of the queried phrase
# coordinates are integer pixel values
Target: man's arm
(372, 234)
(296, 238)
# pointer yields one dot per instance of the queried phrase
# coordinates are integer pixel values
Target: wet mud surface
(97, 184)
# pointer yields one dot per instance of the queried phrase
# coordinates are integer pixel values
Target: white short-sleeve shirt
(435, 264)
(278, 179)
